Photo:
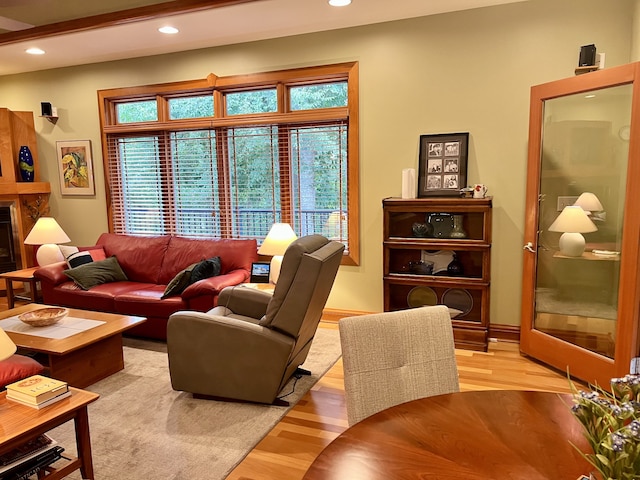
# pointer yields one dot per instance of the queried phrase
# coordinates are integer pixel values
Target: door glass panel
(584, 150)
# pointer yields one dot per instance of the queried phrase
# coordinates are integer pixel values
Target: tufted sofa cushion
(139, 257)
(182, 252)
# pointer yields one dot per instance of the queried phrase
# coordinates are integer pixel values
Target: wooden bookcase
(410, 237)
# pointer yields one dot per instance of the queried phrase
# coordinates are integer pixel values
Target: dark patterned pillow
(206, 268)
(179, 282)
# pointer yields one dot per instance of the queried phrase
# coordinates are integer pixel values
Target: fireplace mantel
(29, 200)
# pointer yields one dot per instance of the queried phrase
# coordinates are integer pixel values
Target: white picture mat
(66, 327)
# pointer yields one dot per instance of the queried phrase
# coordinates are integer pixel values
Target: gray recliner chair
(249, 346)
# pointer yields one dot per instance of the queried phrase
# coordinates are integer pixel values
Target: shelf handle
(529, 247)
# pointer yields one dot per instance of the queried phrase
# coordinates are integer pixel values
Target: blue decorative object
(25, 162)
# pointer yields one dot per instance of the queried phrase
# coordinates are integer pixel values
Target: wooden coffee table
(81, 359)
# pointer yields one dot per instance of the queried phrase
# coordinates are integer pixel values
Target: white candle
(409, 183)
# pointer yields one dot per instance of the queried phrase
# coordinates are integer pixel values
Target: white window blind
(231, 182)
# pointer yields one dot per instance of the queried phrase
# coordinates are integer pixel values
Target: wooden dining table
(497, 434)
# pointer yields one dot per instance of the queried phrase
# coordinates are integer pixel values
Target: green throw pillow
(179, 282)
(96, 273)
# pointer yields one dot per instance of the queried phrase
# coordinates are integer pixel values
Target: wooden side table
(21, 423)
(24, 276)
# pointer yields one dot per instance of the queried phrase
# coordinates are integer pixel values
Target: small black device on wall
(46, 109)
(260, 272)
(587, 56)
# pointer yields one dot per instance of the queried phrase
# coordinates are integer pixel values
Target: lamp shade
(589, 202)
(573, 219)
(278, 239)
(46, 230)
(7, 347)
(47, 233)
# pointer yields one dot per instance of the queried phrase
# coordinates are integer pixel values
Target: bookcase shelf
(462, 282)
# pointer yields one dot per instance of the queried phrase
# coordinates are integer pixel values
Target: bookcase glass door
(577, 292)
(580, 262)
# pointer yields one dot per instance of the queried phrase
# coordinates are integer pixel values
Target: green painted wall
(463, 71)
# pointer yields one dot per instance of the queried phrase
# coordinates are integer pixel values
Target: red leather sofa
(150, 263)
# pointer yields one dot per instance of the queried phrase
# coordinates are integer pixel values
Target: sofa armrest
(214, 285)
(52, 274)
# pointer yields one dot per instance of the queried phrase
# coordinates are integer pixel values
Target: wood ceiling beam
(122, 17)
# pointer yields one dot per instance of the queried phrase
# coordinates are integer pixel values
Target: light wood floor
(289, 449)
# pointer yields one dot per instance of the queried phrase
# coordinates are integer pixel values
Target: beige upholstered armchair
(249, 346)
(394, 357)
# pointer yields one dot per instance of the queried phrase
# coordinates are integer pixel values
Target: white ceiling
(219, 26)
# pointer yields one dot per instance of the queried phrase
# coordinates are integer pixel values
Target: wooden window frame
(218, 86)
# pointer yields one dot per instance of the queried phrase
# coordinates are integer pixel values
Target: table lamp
(592, 206)
(589, 203)
(572, 222)
(7, 347)
(47, 234)
(278, 239)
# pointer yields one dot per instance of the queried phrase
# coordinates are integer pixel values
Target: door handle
(529, 247)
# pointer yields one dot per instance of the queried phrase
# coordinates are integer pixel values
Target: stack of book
(37, 391)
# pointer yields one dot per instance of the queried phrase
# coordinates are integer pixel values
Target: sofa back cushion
(181, 252)
(139, 257)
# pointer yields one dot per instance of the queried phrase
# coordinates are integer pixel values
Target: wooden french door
(580, 309)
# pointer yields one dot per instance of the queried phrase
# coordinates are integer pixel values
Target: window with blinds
(199, 173)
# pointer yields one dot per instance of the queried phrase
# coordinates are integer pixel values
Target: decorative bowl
(44, 316)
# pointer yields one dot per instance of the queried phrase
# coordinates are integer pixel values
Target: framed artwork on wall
(75, 166)
(442, 164)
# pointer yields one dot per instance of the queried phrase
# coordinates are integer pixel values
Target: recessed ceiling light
(339, 3)
(591, 95)
(169, 30)
(35, 51)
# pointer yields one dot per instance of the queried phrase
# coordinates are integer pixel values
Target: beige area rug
(141, 428)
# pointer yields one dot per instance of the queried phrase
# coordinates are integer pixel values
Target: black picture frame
(260, 272)
(442, 168)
